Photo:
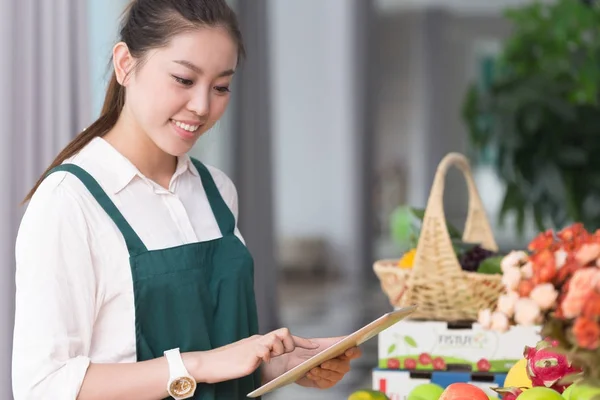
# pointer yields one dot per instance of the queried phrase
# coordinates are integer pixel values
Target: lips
(187, 125)
(185, 131)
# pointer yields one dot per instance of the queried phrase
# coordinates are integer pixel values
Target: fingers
(290, 342)
(336, 365)
(278, 348)
(280, 342)
(263, 352)
(334, 370)
(305, 343)
(353, 353)
(324, 378)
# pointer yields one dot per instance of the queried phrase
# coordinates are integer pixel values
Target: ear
(122, 62)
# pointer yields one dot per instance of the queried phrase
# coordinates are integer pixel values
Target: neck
(141, 151)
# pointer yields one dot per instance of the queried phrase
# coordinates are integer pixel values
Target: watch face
(182, 386)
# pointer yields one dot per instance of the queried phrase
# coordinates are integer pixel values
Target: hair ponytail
(113, 104)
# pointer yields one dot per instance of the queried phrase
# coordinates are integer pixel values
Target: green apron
(196, 296)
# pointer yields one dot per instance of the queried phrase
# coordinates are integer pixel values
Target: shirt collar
(118, 171)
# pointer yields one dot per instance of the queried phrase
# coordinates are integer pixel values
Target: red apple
(463, 391)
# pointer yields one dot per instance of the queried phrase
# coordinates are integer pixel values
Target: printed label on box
(415, 345)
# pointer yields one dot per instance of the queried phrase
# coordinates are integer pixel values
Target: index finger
(304, 343)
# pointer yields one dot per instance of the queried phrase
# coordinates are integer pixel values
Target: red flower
(591, 309)
(587, 333)
(542, 241)
(525, 288)
(575, 236)
(544, 266)
(573, 232)
(566, 272)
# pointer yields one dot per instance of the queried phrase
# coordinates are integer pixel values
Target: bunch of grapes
(470, 259)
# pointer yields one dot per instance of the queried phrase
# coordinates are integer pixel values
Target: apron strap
(222, 212)
(133, 241)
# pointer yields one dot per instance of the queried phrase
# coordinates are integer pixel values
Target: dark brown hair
(148, 25)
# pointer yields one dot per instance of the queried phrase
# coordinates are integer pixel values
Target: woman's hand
(245, 356)
(328, 374)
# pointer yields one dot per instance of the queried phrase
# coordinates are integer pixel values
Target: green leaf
(520, 219)
(401, 226)
(418, 212)
(573, 156)
(410, 341)
(490, 265)
(452, 230)
(391, 349)
(539, 219)
(461, 247)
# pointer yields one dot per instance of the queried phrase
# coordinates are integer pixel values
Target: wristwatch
(181, 384)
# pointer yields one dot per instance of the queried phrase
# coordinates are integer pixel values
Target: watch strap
(176, 367)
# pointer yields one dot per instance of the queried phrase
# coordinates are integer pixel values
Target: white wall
(314, 132)
(7, 281)
(103, 20)
(473, 7)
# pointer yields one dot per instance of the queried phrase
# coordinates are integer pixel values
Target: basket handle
(434, 240)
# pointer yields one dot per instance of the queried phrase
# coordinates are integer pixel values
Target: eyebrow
(199, 71)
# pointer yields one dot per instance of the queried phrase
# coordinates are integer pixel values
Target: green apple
(540, 393)
(426, 391)
(367, 394)
(583, 392)
(567, 393)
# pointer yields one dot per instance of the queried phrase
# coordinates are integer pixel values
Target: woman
(133, 281)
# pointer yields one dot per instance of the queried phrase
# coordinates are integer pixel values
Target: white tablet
(355, 339)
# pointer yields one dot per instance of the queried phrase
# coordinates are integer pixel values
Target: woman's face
(181, 90)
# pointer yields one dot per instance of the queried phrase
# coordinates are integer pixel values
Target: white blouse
(74, 299)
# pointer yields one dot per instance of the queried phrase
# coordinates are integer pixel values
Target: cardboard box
(433, 345)
(397, 385)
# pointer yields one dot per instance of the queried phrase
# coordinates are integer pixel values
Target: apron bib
(197, 296)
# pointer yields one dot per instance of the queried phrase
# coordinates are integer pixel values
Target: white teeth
(189, 128)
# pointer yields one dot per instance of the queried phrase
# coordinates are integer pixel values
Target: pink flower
(513, 259)
(587, 253)
(587, 333)
(499, 322)
(527, 270)
(560, 256)
(485, 318)
(506, 303)
(544, 296)
(511, 278)
(582, 284)
(527, 312)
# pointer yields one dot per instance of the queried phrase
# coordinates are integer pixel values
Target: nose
(199, 104)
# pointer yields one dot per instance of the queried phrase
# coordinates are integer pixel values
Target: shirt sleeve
(55, 296)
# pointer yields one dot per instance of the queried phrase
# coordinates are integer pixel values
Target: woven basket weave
(436, 283)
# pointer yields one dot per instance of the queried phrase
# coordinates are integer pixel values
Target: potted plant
(540, 115)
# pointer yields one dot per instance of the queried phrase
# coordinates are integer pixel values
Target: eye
(183, 81)
(222, 89)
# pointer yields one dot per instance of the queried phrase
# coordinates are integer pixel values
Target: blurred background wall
(342, 112)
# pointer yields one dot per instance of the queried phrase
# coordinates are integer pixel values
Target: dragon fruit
(547, 368)
(509, 393)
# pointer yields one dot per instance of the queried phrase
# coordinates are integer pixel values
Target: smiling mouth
(186, 127)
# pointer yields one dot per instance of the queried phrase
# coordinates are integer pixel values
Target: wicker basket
(437, 284)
